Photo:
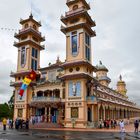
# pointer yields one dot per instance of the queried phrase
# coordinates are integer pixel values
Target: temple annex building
(67, 93)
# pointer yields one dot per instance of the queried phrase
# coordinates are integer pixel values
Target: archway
(89, 115)
(101, 112)
(39, 93)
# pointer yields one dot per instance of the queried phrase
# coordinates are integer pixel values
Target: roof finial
(58, 60)
(31, 16)
(120, 77)
(100, 62)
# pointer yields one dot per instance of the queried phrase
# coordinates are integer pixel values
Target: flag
(26, 82)
(32, 75)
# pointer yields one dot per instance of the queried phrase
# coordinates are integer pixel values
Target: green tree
(11, 105)
(4, 110)
(7, 110)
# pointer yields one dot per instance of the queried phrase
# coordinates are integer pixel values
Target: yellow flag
(26, 81)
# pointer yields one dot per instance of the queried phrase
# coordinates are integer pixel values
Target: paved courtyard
(66, 134)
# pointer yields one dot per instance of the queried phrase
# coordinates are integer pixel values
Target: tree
(11, 105)
(4, 110)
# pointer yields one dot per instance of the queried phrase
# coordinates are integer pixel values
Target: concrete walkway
(129, 128)
(70, 134)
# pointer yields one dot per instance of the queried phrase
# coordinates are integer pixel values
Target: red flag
(32, 75)
(21, 91)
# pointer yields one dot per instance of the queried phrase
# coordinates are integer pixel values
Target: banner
(26, 82)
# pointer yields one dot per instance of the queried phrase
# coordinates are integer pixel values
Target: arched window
(34, 26)
(75, 7)
(39, 93)
(26, 25)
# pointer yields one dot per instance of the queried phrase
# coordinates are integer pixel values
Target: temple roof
(104, 78)
(70, 2)
(30, 19)
(101, 67)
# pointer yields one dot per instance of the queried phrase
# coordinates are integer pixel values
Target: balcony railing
(13, 83)
(90, 98)
(28, 39)
(29, 28)
(72, 12)
(46, 99)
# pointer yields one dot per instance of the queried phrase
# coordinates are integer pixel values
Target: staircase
(46, 125)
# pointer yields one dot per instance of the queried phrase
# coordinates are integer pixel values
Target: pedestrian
(104, 123)
(4, 122)
(12, 122)
(17, 124)
(100, 124)
(107, 124)
(122, 129)
(27, 124)
(136, 125)
(9, 124)
(114, 123)
(21, 123)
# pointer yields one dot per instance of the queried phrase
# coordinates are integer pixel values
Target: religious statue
(74, 89)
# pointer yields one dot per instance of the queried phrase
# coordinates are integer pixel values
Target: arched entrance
(89, 115)
(39, 93)
(101, 112)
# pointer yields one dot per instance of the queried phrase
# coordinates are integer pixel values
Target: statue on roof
(120, 77)
(100, 62)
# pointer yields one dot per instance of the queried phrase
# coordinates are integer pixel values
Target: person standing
(27, 123)
(136, 125)
(4, 122)
(122, 126)
(12, 123)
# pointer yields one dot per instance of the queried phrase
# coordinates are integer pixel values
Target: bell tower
(121, 86)
(78, 31)
(29, 47)
(78, 65)
(101, 74)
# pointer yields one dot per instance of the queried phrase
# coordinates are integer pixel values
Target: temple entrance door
(54, 115)
(40, 111)
(89, 115)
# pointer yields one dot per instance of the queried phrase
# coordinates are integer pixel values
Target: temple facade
(67, 92)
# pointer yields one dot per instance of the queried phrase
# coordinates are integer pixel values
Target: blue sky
(117, 43)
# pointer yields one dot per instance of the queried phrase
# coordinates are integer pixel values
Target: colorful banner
(26, 82)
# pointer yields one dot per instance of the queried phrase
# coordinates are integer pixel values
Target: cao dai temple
(67, 91)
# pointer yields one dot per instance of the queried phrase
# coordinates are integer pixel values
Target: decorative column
(45, 114)
(98, 107)
(104, 113)
(49, 114)
(92, 107)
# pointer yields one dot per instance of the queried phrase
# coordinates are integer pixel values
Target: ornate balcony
(15, 83)
(46, 99)
(25, 41)
(91, 99)
(27, 30)
(73, 12)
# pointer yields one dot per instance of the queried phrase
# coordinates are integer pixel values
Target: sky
(117, 43)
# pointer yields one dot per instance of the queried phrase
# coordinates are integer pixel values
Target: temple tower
(121, 86)
(29, 47)
(78, 65)
(101, 74)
